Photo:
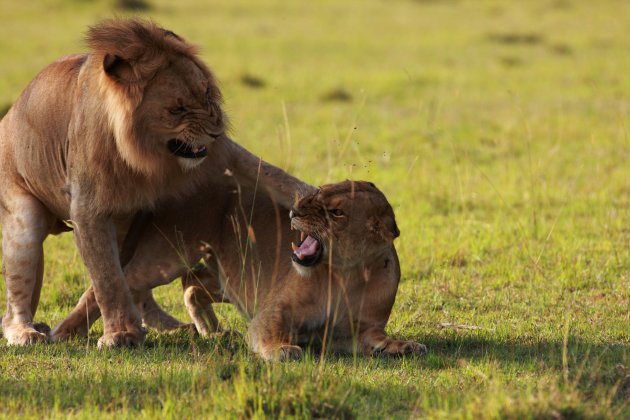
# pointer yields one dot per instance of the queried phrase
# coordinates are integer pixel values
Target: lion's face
(344, 223)
(181, 112)
(162, 102)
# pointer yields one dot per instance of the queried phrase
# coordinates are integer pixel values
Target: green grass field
(499, 132)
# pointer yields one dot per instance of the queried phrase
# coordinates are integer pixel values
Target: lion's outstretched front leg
(25, 224)
(251, 169)
(375, 341)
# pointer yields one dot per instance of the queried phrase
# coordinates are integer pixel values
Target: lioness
(338, 285)
(96, 137)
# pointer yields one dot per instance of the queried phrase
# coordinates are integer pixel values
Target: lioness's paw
(121, 339)
(282, 353)
(288, 352)
(400, 347)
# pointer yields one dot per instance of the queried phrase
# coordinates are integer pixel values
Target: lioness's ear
(393, 227)
(118, 68)
(385, 227)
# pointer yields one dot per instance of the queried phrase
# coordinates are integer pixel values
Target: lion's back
(34, 131)
(46, 104)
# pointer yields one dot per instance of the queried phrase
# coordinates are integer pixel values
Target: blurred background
(497, 129)
(489, 124)
(469, 110)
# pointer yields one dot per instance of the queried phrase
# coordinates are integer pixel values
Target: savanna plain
(499, 132)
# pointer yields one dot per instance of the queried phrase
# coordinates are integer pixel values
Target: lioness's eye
(177, 110)
(336, 212)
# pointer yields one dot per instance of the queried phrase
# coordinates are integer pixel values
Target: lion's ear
(118, 68)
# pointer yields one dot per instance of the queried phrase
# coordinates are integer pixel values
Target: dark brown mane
(144, 45)
(132, 39)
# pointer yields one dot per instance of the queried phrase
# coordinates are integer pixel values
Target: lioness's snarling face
(343, 223)
(163, 101)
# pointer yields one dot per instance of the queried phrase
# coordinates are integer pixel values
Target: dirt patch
(514, 38)
(337, 95)
(252, 81)
(134, 5)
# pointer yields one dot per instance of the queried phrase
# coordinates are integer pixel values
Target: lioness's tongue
(307, 248)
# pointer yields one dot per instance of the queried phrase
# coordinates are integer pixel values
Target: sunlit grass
(499, 132)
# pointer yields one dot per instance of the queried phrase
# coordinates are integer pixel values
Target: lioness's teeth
(302, 236)
(294, 247)
(299, 255)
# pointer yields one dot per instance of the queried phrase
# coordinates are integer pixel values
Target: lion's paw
(24, 336)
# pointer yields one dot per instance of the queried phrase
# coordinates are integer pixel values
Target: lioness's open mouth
(309, 252)
(185, 150)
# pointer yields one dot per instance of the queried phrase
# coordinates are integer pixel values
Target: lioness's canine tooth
(294, 247)
(302, 236)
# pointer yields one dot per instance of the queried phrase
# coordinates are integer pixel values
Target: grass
(498, 130)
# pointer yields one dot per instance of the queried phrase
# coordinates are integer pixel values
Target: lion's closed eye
(336, 212)
(178, 110)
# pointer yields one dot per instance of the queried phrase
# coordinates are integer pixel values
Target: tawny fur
(87, 142)
(343, 303)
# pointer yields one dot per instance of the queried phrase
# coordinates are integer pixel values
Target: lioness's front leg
(270, 337)
(26, 223)
(96, 240)
(202, 288)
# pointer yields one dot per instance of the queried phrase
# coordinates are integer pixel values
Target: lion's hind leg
(26, 223)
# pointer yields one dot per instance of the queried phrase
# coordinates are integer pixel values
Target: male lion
(337, 287)
(96, 137)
